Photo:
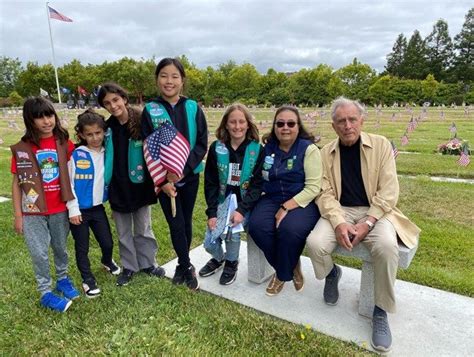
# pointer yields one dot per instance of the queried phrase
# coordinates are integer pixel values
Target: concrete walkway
(429, 322)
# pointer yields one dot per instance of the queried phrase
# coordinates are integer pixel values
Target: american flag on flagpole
(57, 15)
(464, 159)
(394, 150)
(165, 150)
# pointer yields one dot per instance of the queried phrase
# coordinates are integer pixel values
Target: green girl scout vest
(136, 162)
(159, 115)
(250, 159)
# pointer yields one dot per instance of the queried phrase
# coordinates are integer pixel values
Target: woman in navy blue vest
(286, 213)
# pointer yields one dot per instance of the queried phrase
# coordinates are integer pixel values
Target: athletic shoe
(190, 278)
(91, 289)
(331, 291)
(275, 286)
(178, 277)
(230, 272)
(65, 287)
(155, 271)
(112, 267)
(125, 277)
(381, 336)
(211, 267)
(54, 302)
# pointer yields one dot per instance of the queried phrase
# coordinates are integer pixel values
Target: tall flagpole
(52, 50)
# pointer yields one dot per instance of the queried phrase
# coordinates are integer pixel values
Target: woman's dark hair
(166, 62)
(134, 116)
(35, 108)
(302, 132)
(89, 117)
(252, 132)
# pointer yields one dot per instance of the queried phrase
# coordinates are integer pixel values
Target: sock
(379, 312)
(332, 273)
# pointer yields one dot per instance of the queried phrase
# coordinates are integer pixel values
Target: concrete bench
(366, 295)
(259, 270)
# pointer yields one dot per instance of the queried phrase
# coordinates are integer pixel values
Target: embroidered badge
(23, 155)
(83, 164)
(82, 154)
(48, 163)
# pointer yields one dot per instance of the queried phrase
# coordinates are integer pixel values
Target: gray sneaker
(331, 291)
(381, 336)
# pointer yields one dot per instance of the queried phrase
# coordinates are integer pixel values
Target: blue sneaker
(65, 287)
(54, 302)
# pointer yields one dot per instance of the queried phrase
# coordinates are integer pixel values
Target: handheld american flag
(394, 150)
(58, 16)
(165, 150)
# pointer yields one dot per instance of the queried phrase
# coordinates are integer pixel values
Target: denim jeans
(232, 247)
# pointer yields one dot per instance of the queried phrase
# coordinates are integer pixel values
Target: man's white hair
(342, 102)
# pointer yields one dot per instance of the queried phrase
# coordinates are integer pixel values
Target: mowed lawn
(154, 317)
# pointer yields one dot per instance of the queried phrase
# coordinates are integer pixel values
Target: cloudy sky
(284, 35)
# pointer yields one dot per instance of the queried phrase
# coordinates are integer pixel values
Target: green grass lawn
(153, 317)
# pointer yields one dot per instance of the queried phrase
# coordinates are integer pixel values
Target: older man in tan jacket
(357, 204)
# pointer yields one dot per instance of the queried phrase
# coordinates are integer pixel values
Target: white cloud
(284, 35)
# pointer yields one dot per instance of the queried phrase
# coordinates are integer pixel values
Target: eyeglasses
(289, 124)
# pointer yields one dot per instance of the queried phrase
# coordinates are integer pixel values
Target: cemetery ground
(152, 316)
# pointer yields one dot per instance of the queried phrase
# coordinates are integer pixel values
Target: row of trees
(437, 54)
(231, 82)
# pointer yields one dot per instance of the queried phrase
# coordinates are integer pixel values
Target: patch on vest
(83, 164)
(48, 163)
(28, 201)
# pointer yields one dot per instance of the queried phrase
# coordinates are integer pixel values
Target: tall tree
(396, 57)
(10, 69)
(464, 46)
(414, 62)
(439, 50)
(357, 79)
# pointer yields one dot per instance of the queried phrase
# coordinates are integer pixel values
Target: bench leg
(366, 297)
(258, 268)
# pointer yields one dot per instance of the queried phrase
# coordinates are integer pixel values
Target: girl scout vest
(159, 115)
(136, 162)
(30, 180)
(250, 159)
(84, 179)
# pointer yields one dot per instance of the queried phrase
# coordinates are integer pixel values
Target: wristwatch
(370, 224)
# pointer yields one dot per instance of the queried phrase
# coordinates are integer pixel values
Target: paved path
(429, 322)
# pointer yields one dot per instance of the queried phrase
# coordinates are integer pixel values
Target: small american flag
(464, 159)
(57, 16)
(405, 139)
(412, 125)
(453, 128)
(394, 150)
(165, 150)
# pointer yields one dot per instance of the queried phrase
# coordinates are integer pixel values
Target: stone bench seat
(259, 270)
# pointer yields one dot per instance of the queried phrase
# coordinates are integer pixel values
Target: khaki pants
(381, 243)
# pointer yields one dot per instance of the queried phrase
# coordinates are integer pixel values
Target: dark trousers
(95, 219)
(181, 226)
(283, 246)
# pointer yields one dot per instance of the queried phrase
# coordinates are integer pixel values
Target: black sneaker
(90, 288)
(190, 278)
(230, 272)
(211, 267)
(178, 277)
(125, 277)
(331, 291)
(112, 267)
(155, 271)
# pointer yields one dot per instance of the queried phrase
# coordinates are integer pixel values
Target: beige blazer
(380, 181)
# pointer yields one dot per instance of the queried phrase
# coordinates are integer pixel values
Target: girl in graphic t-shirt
(40, 191)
